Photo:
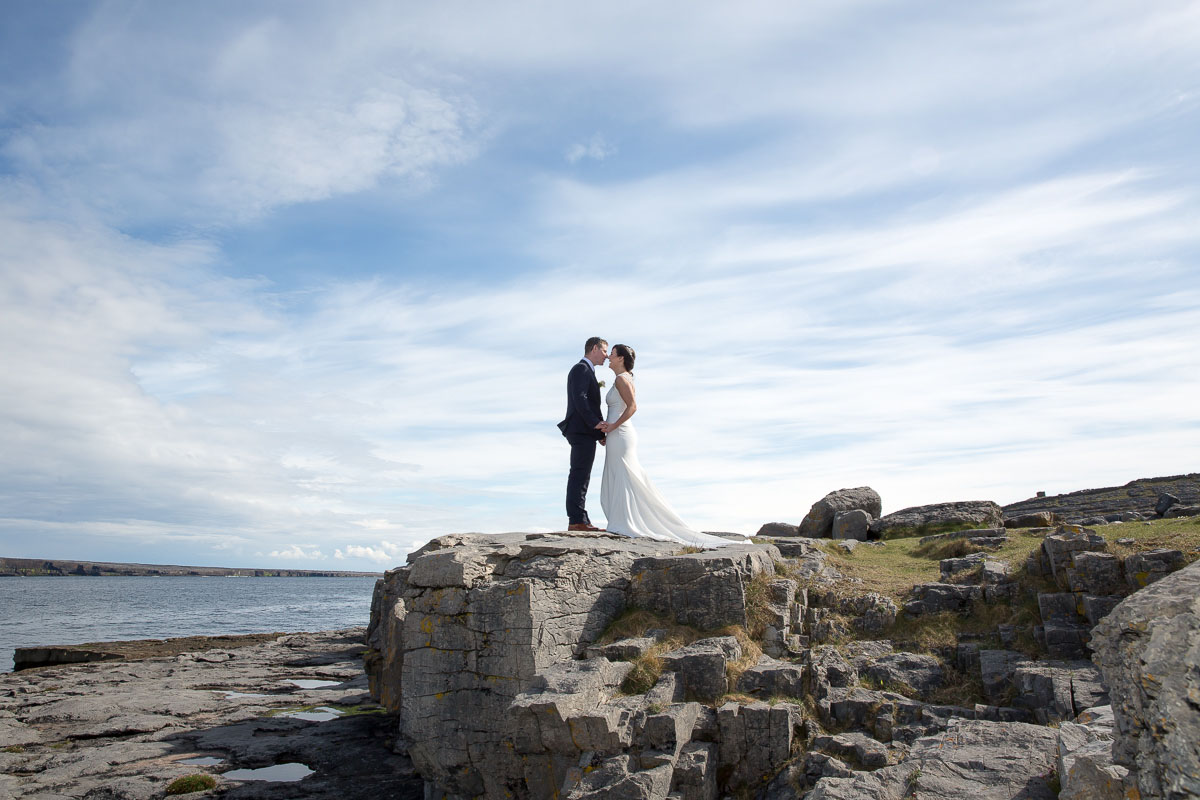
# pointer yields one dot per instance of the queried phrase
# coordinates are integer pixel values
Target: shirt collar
(588, 361)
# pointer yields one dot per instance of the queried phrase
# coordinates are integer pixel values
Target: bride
(631, 504)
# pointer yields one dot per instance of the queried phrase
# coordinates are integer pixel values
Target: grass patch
(751, 653)
(758, 597)
(191, 783)
(14, 748)
(945, 548)
(1181, 533)
(688, 550)
(647, 668)
(892, 570)
(959, 689)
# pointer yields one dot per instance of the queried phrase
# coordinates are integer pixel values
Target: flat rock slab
(121, 729)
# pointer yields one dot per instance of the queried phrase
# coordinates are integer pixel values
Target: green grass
(191, 783)
(14, 748)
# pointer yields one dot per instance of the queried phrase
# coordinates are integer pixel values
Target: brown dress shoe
(583, 526)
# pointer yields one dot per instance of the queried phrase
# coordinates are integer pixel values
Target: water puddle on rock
(281, 773)
(319, 714)
(306, 683)
(202, 761)
(232, 695)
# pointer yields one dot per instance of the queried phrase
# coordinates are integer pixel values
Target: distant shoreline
(61, 568)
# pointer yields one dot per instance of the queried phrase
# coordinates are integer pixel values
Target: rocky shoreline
(124, 730)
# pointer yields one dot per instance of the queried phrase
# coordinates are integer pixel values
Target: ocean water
(72, 610)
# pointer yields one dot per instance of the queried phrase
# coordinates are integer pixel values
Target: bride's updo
(626, 353)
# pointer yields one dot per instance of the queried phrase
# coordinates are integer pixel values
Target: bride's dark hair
(625, 352)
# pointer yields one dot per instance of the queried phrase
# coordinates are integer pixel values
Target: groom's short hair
(592, 342)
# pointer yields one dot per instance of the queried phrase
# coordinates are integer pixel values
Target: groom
(582, 427)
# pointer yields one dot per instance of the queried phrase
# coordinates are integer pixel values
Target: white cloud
(385, 553)
(595, 148)
(297, 552)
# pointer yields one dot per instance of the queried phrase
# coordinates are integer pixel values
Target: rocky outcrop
(467, 638)
(1149, 651)
(938, 518)
(1139, 497)
(818, 523)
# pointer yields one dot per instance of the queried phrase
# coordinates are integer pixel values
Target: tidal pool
(281, 773)
(308, 683)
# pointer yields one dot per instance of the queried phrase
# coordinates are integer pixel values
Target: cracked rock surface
(124, 729)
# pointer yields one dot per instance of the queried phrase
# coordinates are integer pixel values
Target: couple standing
(632, 506)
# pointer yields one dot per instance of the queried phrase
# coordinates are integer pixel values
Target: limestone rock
(907, 673)
(818, 523)
(1142, 569)
(1095, 573)
(773, 678)
(701, 665)
(706, 590)
(921, 520)
(1182, 511)
(933, 598)
(1039, 519)
(1060, 547)
(756, 740)
(1165, 501)
(853, 747)
(1148, 649)
(854, 524)
(975, 759)
(778, 529)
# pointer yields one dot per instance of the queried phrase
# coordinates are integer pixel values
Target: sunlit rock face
(474, 622)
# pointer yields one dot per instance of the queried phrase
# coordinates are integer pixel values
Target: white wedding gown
(632, 506)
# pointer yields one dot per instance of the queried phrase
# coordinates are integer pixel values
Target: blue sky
(298, 284)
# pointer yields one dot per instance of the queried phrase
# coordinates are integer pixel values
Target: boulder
(1182, 511)
(778, 529)
(938, 518)
(1147, 650)
(853, 524)
(1165, 501)
(1038, 519)
(818, 522)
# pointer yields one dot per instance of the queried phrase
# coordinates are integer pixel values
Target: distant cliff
(28, 567)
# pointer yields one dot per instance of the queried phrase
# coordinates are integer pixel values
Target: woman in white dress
(632, 506)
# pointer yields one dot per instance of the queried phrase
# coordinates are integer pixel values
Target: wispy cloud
(595, 148)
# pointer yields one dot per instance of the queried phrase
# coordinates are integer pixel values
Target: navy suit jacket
(583, 402)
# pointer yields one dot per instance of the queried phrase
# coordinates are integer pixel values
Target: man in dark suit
(582, 427)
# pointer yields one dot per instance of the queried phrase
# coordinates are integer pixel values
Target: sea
(40, 611)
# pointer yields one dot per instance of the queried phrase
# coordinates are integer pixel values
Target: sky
(298, 284)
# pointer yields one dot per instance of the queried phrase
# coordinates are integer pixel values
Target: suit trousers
(583, 455)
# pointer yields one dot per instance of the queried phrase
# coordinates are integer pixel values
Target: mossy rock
(198, 782)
